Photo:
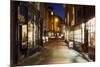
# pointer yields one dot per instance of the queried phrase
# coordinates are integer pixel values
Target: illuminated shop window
(24, 36)
(67, 34)
(30, 34)
(71, 35)
(90, 26)
(77, 35)
(35, 34)
(82, 32)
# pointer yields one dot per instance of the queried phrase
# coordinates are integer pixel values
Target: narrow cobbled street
(54, 52)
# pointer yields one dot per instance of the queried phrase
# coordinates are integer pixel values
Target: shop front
(29, 29)
(77, 36)
(83, 37)
(22, 30)
(90, 27)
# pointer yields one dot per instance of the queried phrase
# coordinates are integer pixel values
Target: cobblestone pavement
(54, 52)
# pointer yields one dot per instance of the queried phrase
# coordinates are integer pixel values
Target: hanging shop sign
(21, 18)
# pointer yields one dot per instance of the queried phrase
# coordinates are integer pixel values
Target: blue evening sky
(57, 8)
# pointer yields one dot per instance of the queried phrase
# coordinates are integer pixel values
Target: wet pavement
(54, 52)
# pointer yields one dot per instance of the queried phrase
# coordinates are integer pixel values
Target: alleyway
(38, 30)
(54, 52)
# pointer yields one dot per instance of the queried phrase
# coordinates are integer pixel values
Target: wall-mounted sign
(21, 18)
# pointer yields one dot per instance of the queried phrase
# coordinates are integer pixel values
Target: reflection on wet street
(54, 52)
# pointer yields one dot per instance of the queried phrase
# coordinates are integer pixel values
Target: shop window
(77, 35)
(90, 26)
(71, 35)
(82, 32)
(30, 34)
(24, 36)
(34, 34)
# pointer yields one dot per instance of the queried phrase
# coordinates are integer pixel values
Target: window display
(30, 34)
(77, 35)
(90, 26)
(34, 34)
(71, 35)
(24, 36)
(83, 33)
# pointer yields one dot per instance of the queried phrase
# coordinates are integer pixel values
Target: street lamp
(56, 19)
(52, 13)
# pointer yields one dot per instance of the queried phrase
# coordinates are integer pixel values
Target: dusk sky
(57, 8)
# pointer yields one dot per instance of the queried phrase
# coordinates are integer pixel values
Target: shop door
(22, 38)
